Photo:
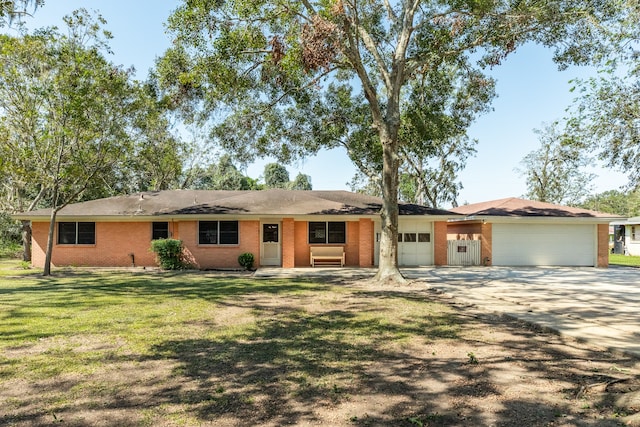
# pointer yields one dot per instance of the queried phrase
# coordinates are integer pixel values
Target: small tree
(276, 176)
(302, 182)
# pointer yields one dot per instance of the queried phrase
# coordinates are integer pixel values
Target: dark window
(424, 237)
(409, 237)
(228, 232)
(208, 233)
(327, 232)
(317, 232)
(86, 233)
(66, 233)
(400, 237)
(462, 249)
(337, 232)
(160, 230)
(76, 233)
(218, 232)
(270, 233)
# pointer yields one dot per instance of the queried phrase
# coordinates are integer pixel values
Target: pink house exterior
(279, 227)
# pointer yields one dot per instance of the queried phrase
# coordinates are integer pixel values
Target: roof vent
(141, 196)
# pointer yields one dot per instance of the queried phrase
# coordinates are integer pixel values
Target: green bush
(246, 260)
(169, 253)
(10, 236)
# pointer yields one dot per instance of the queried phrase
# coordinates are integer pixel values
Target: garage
(519, 232)
(544, 244)
(415, 243)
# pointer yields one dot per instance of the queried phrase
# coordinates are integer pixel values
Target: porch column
(288, 243)
(365, 243)
(486, 237)
(440, 243)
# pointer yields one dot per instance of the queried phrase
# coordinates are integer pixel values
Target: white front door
(271, 248)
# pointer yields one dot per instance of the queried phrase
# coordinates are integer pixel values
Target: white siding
(544, 244)
(633, 240)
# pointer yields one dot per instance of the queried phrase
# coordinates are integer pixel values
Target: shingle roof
(211, 202)
(514, 207)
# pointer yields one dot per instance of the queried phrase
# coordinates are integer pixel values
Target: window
(76, 233)
(635, 232)
(218, 232)
(410, 237)
(327, 232)
(160, 230)
(424, 237)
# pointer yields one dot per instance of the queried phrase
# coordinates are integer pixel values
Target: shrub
(246, 260)
(169, 253)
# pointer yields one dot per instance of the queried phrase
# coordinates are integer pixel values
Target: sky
(531, 93)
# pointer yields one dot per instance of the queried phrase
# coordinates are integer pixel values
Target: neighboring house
(517, 232)
(627, 236)
(279, 227)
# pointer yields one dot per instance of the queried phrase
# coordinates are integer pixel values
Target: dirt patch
(360, 355)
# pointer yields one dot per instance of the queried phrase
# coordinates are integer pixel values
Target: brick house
(279, 227)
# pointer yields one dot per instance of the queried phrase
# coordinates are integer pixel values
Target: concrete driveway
(600, 306)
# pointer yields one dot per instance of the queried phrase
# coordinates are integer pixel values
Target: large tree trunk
(26, 241)
(388, 271)
(52, 228)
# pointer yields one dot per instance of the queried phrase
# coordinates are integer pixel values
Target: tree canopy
(11, 10)
(286, 78)
(64, 113)
(615, 202)
(605, 117)
(555, 172)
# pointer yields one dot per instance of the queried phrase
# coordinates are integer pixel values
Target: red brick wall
(440, 243)
(289, 243)
(39, 232)
(486, 245)
(603, 245)
(114, 242)
(366, 243)
(352, 247)
(301, 241)
(464, 231)
(215, 256)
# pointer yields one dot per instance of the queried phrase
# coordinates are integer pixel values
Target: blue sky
(531, 92)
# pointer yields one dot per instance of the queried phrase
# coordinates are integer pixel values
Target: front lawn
(631, 261)
(153, 348)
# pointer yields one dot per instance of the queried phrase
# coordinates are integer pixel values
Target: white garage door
(415, 242)
(540, 244)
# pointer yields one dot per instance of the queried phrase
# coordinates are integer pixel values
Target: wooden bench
(327, 255)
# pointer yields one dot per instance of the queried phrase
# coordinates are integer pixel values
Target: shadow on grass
(354, 357)
(295, 363)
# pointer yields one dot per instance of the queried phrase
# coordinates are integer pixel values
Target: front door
(271, 248)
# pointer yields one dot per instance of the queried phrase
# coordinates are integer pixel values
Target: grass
(625, 260)
(194, 344)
